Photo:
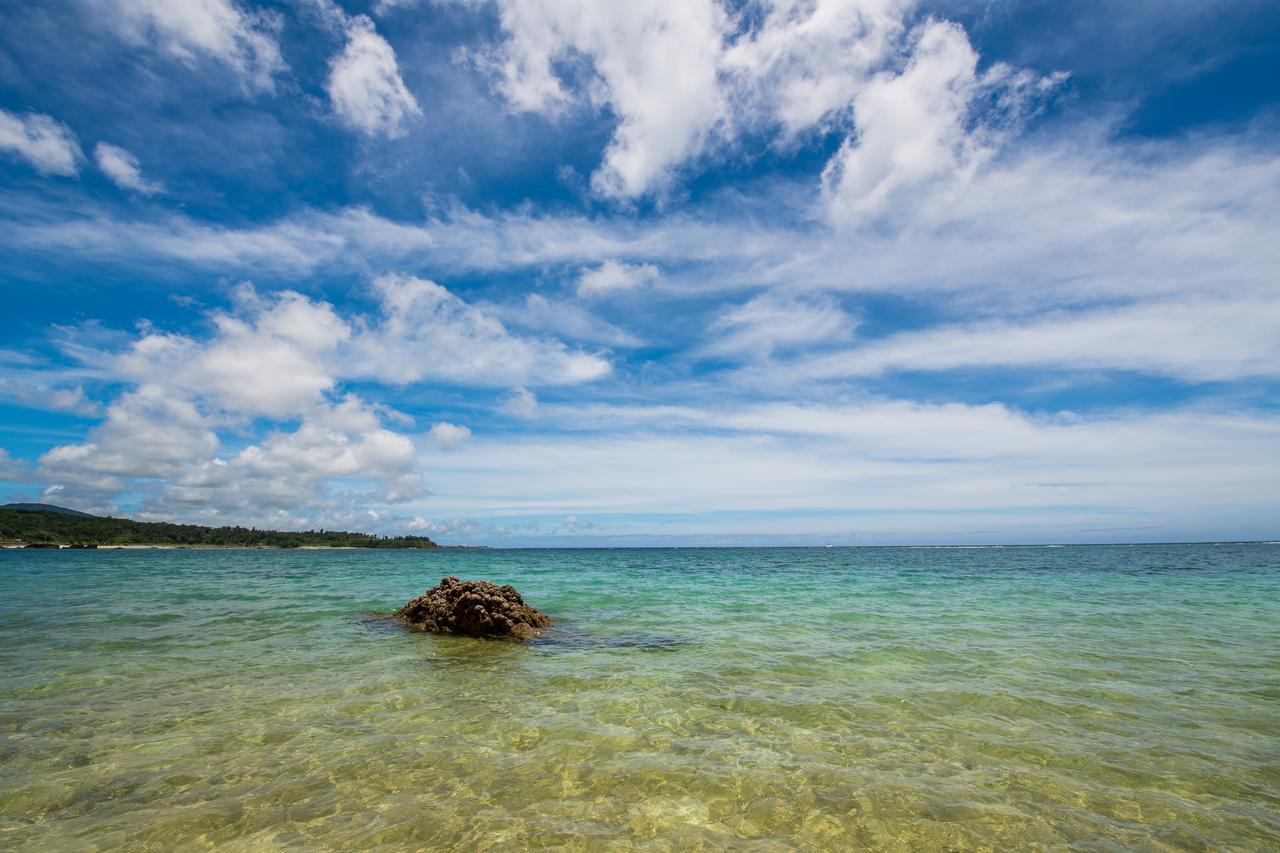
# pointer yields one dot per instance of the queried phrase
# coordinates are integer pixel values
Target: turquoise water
(1102, 697)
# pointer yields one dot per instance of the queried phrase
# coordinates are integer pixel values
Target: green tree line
(62, 529)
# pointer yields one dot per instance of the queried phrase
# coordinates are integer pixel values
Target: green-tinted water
(1107, 697)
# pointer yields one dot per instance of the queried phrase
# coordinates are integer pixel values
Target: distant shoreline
(48, 526)
(11, 546)
(25, 546)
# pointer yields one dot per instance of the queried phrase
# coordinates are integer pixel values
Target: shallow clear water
(1105, 697)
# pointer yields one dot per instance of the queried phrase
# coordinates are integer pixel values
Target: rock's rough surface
(473, 609)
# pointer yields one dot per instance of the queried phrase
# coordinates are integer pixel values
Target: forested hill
(53, 525)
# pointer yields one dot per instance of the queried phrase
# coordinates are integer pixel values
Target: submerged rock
(473, 609)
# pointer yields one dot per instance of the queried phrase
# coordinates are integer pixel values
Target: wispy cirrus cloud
(564, 318)
(876, 465)
(242, 39)
(37, 390)
(1199, 340)
(1143, 232)
(123, 169)
(47, 144)
(777, 321)
(1125, 220)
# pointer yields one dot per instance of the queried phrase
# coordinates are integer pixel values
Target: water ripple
(1104, 698)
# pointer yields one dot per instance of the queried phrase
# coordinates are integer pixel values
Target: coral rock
(473, 609)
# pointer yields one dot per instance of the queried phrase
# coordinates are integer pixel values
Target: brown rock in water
(473, 609)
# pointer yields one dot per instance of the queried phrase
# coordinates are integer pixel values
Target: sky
(663, 272)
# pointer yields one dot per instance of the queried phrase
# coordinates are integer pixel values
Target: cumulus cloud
(149, 433)
(289, 477)
(275, 357)
(910, 126)
(123, 169)
(217, 29)
(48, 145)
(365, 86)
(684, 78)
(167, 447)
(612, 276)
(273, 365)
(655, 64)
(521, 402)
(346, 439)
(803, 65)
(448, 436)
(915, 127)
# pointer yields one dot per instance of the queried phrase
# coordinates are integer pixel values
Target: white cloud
(776, 321)
(148, 433)
(910, 127)
(163, 441)
(365, 86)
(12, 470)
(566, 319)
(1051, 228)
(521, 402)
(684, 77)
(287, 479)
(218, 29)
(346, 440)
(47, 144)
(272, 366)
(612, 276)
(287, 246)
(30, 391)
(897, 466)
(425, 332)
(72, 400)
(458, 527)
(382, 7)
(916, 128)
(448, 436)
(1195, 341)
(276, 357)
(123, 168)
(805, 62)
(656, 66)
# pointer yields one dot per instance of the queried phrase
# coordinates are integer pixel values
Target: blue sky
(663, 272)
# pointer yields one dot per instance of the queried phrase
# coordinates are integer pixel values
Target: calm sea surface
(923, 698)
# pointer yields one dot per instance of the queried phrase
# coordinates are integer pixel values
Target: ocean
(1100, 697)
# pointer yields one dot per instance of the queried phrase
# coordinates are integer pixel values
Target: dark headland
(44, 525)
